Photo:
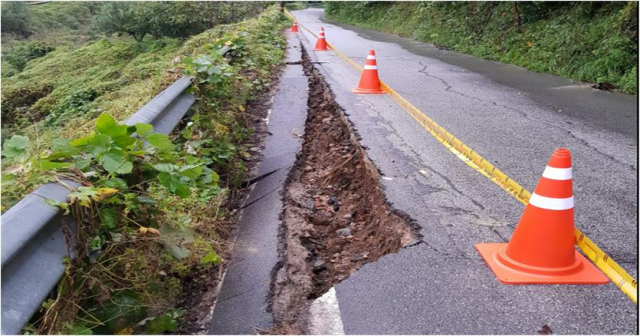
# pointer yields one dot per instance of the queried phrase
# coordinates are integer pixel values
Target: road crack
(448, 87)
(336, 217)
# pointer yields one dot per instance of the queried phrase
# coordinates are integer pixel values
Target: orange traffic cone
(541, 250)
(294, 27)
(321, 44)
(369, 81)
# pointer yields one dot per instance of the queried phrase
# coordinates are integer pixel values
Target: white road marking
(324, 316)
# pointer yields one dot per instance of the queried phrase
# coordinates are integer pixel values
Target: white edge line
(324, 315)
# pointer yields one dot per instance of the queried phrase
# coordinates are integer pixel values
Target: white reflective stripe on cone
(550, 203)
(560, 174)
(371, 57)
(370, 67)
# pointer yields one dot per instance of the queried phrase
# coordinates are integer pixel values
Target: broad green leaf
(79, 142)
(79, 329)
(160, 141)
(147, 200)
(49, 165)
(117, 183)
(105, 124)
(191, 171)
(165, 179)
(174, 184)
(216, 177)
(211, 258)
(8, 179)
(109, 218)
(16, 147)
(209, 176)
(83, 165)
(175, 239)
(99, 143)
(190, 159)
(206, 178)
(115, 163)
(84, 196)
(165, 167)
(214, 70)
(62, 148)
(202, 60)
(144, 130)
(122, 310)
(178, 252)
(161, 324)
(131, 130)
(96, 243)
(124, 141)
(182, 190)
(62, 205)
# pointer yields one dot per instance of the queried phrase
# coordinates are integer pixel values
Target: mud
(335, 217)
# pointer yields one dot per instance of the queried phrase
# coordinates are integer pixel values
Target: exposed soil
(335, 217)
(201, 288)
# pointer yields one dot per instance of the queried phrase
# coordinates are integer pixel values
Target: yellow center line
(625, 282)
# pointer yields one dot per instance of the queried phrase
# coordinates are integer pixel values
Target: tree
(178, 19)
(15, 18)
(121, 18)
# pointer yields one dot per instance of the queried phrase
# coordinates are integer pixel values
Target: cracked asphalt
(241, 306)
(515, 119)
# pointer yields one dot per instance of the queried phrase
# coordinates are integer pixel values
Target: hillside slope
(151, 251)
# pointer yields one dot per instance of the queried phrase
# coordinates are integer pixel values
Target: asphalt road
(515, 119)
(241, 307)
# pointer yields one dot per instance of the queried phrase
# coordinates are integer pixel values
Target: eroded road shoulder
(241, 307)
(336, 217)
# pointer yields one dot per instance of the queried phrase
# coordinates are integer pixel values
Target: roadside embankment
(593, 42)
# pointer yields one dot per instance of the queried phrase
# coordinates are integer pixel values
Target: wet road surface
(515, 119)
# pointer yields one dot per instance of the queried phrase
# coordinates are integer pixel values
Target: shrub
(170, 19)
(15, 18)
(23, 52)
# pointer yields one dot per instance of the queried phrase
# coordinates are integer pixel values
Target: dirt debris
(335, 217)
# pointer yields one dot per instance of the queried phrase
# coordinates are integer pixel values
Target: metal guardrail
(33, 242)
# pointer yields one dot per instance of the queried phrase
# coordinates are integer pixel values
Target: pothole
(335, 216)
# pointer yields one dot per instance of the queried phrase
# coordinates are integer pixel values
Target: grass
(58, 23)
(62, 93)
(583, 41)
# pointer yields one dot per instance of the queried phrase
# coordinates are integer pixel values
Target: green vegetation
(23, 52)
(14, 18)
(169, 19)
(152, 218)
(71, 24)
(55, 23)
(28, 28)
(295, 5)
(68, 87)
(586, 41)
